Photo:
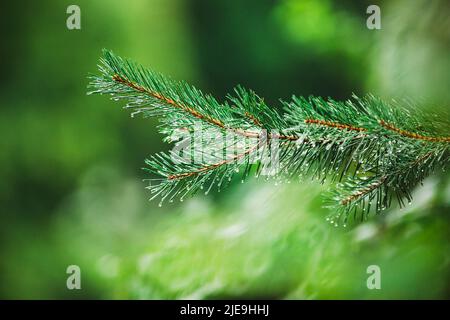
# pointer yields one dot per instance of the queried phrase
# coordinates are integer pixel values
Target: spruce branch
(375, 151)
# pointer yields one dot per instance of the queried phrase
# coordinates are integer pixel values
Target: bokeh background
(71, 189)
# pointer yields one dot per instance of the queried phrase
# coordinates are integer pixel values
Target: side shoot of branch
(375, 151)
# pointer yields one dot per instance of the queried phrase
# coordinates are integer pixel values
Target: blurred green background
(71, 189)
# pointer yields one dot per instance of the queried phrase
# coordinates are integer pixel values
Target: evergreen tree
(375, 151)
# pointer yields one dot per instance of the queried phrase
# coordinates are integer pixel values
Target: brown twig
(360, 193)
(253, 119)
(412, 135)
(212, 166)
(334, 125)
(249, 134)
(167, 100)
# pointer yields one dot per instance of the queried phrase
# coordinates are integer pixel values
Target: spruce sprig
(375, 151)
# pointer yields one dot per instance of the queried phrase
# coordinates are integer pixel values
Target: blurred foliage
(266, 245)
(412, 59)
(71, 191)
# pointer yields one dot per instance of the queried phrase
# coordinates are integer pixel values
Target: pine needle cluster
(372, 150)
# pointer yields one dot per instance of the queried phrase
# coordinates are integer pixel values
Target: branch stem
(412, 135)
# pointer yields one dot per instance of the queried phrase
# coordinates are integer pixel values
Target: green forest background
(71, 189)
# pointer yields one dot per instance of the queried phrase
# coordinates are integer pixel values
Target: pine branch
(373, 149)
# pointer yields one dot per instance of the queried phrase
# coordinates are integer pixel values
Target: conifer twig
(358, 142)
